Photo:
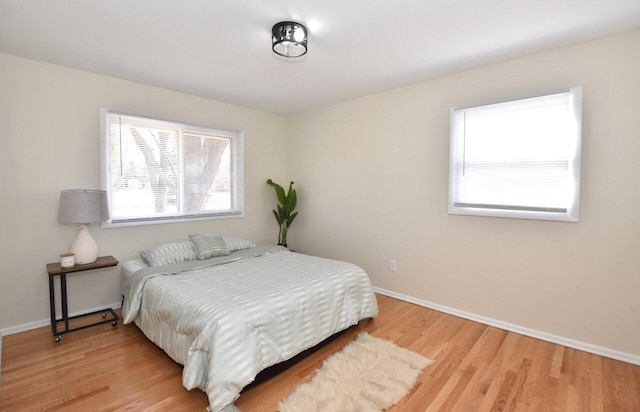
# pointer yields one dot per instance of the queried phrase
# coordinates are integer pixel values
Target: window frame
(537, 213)
(236, 137)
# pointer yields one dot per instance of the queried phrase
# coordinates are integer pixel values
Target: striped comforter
(226, 319)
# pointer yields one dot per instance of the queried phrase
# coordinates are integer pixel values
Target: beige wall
(49, 134)
(372, 175)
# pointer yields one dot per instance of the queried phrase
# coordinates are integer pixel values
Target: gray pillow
(236, 243)
(169, 253)
(208, 246)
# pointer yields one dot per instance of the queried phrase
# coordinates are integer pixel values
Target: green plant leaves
(277, 217)
(279, 190)
(291, 199)
(285, 210)
(290, 219)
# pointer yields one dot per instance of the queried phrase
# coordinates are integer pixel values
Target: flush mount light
(289, 39)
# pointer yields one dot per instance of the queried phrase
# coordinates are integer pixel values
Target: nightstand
(54, 269)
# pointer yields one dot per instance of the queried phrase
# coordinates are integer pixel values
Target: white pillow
(208, 246)
(169, 253)
(236, 243)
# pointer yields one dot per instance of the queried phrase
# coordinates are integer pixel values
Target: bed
(226, 318)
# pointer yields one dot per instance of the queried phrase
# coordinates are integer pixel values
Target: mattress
(227, 318)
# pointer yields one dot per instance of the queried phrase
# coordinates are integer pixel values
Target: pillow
(169, 253)
(208, 246)
(236, 243)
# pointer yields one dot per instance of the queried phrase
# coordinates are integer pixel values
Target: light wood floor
(477, 368)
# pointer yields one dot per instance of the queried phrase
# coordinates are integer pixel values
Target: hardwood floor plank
(477, 368)
(594, 377)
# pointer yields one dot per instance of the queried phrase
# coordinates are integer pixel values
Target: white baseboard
(560, 340)
(47, 322)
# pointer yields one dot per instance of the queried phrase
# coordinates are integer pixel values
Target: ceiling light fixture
(289, 39)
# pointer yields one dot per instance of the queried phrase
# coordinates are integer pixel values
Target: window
(159, 171)
(519, 159)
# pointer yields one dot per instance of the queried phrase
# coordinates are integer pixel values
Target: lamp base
(84, 247)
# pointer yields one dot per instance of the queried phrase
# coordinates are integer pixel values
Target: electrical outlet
(393, 265)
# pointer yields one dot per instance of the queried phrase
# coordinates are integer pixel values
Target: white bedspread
(248, 311)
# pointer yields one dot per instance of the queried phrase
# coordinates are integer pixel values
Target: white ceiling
(221, 49)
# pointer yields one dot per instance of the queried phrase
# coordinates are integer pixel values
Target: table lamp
(84, 207)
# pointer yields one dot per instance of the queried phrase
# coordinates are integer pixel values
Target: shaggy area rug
(369, 374)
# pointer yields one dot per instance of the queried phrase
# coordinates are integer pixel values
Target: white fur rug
(369, 374)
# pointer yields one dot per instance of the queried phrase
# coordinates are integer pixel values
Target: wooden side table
(54, 269)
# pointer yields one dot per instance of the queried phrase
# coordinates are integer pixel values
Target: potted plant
(285, 213)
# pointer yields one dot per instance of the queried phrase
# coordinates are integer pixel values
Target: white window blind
(517, 159)
(157, 171)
